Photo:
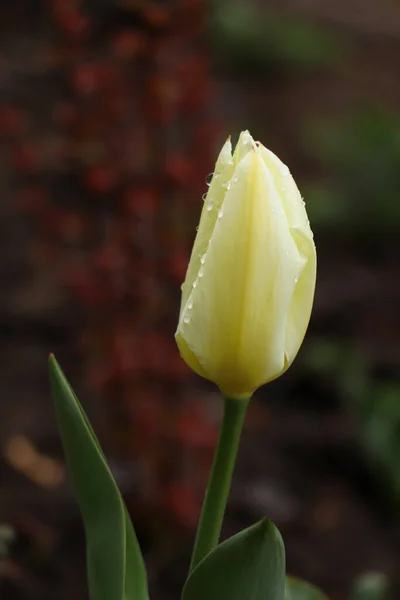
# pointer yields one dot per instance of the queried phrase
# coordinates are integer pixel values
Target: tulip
(249, 288)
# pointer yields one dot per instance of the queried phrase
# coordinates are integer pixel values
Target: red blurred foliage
(70, 20)
(113, 175)
(11, 120)
(183, 502)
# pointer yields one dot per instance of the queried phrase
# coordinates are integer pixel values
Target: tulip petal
(244, 145)
(301, 304)
(299, 311)
(292, 203)
(215, 196)
(247, 279)
(248, 293)
(188, 356)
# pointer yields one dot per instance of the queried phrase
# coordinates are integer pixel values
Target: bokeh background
(111, 115)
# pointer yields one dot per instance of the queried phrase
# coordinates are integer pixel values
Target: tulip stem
(216, 496)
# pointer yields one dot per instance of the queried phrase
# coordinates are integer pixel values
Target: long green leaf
(250, 565)
(115, 565)
(296, 589)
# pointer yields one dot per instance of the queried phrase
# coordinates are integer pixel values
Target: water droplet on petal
(190, 304)
(204, 196)
(201, 272)
(186, 319)
(203, 259)
(209, 207)
(209, 178)
(220, 213)
(296, 279)
(234, 180)
(194, 283)
(197, 228)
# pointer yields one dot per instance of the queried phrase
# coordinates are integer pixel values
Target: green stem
(209, 528)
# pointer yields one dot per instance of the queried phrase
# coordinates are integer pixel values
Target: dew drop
(186, 319)
(296, 279)
(209, 179)
(194, 283)
(220, 213)
(209, 207)
(203, 259)
(284, 170)
(190, 304)
(204, 196)
(197, 228)
(201, 272)
(234, 180)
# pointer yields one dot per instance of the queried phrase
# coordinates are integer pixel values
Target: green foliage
(360, 157)
(244, 38)
(296, 589)
(250, 565)
(374, 403)
(371, 586)
(379, 432)
(115, 566)
(6, 537)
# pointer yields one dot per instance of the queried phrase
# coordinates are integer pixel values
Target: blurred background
(111, 116)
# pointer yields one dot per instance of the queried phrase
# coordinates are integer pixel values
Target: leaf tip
(269, 530)
(54, 368)
(266, 526)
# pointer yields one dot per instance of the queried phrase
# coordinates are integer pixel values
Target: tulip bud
(249, 288)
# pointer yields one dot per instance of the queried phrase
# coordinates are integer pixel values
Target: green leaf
(115, 565)
(296, 589)
(249, 565)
